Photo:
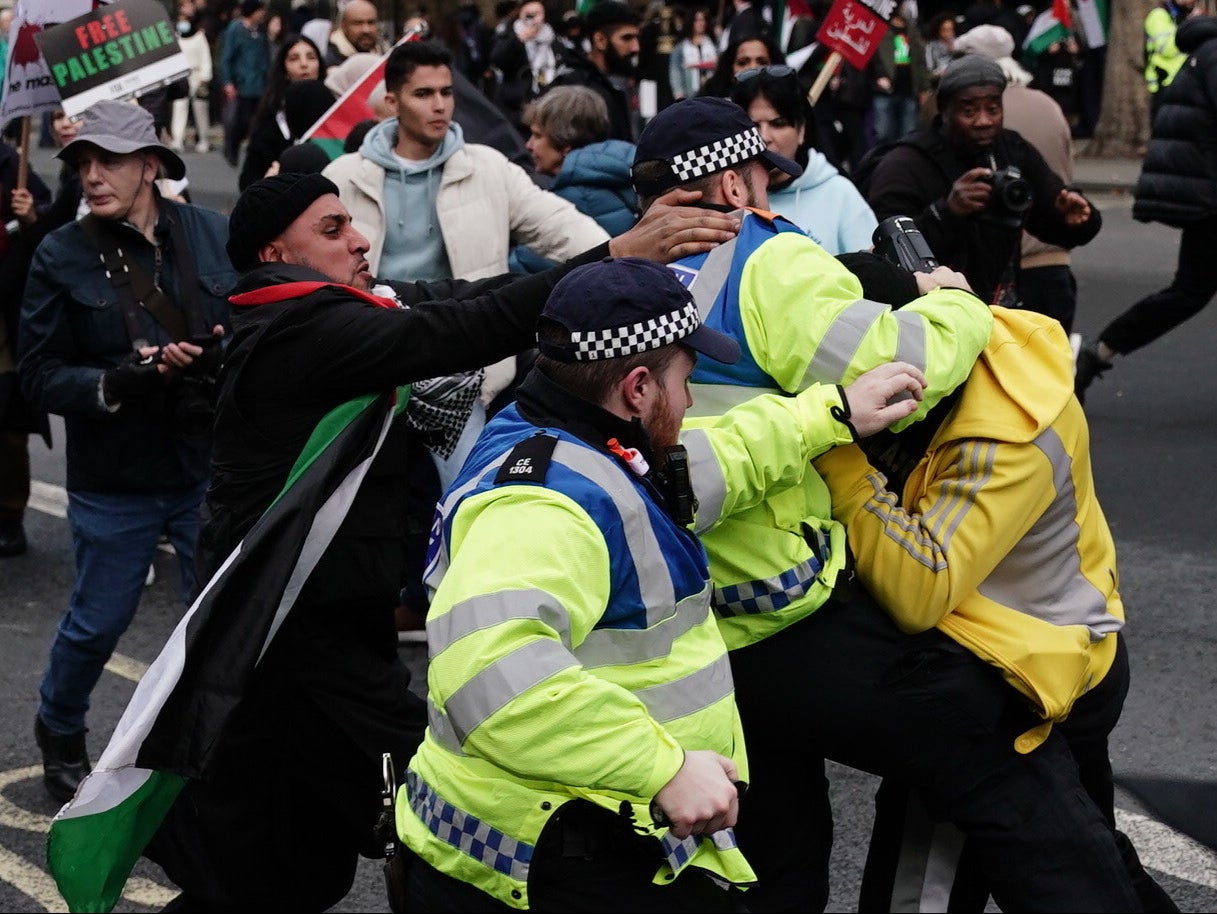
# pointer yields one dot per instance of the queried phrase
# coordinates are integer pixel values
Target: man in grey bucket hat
(121, 128)
(116, 312)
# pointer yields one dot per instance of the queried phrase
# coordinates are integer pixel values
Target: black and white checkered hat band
(643, 336)
(713, 157)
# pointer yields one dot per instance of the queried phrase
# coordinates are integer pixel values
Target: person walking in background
(1163, 57)
(695, 56)
(526, 57)
(821, 201)
(569, 142)
(1177, 187)
(244, 63)
(197, 50)
(744, 54)
(607, 65)
(134, 386)
(358, 32)
(298, 61)
(902, 83)
(17, 419)
(940, 47)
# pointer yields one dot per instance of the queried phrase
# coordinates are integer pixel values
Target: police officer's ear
(635, 390)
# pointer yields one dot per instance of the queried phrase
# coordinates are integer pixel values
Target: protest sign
(852, 30)
(28, 85)
(113, 52)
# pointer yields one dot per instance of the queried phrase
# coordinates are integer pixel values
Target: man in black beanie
(972, 186)
(306, 541)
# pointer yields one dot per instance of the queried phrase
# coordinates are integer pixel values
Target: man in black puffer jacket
(1177, 187)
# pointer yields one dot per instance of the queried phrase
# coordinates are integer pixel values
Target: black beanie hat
(266, 208)
(966, 72)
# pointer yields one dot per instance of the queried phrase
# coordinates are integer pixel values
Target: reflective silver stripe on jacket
(709, 483)
(466, 832)
(510, 676)
(840, 342)
(713, 274)
(1042, 575)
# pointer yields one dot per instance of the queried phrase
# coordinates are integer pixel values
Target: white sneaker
(151, 578)
(202, 147)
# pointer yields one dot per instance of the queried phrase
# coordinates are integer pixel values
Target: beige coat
(485, 205)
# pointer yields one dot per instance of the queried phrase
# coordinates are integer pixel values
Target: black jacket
(574, 69)
(915, 176)
(1178, 182)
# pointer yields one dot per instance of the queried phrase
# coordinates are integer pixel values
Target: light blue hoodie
(413, 245)
(827, 206)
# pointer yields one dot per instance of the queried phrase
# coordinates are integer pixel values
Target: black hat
(698, 137)
(266, 208)
(624, 306)
(608, 13)
(965, 73)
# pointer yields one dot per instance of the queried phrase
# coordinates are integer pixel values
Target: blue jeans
(895, 115)
(114, 537)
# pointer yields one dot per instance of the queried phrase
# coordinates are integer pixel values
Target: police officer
(584, 750)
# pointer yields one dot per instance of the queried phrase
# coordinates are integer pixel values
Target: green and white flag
(175, 719)
(1094, 21)
(1049, 27)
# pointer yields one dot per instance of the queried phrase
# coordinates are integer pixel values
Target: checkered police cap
(625, 306)
(698, 137)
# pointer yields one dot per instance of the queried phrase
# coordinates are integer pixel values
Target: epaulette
(529, 460)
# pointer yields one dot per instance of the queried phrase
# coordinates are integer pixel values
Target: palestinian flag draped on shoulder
(177, 715)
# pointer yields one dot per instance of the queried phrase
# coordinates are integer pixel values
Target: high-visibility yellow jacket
(1162, 57)
(800, 318)
(998, 540)
(572, 649)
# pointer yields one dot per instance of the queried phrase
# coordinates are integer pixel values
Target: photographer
(972, 186)
(130, 365)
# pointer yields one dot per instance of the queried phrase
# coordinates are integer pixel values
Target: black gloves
(134, 378)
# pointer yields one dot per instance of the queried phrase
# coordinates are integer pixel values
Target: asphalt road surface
(1154, 428)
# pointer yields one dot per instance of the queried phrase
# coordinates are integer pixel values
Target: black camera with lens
(1011, 196)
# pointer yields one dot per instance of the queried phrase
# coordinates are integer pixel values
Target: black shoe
(65, 761)
(12, 537)
(1088, 366)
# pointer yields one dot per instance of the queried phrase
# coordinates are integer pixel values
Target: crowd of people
(605, 389)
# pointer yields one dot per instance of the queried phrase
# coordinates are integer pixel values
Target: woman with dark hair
(695, 55)
(269, 134)
(748, 52)
(822, 202)
(526, 57)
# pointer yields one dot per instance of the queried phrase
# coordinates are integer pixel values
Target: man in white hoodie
(437, 208)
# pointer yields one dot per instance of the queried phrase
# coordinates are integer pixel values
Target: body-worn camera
(898, 240)
(1011, 192)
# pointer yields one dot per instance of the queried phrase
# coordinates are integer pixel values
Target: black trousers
(1051, 290)
(846, 684)
(587, 860)
(1194, 285)
(916, 864)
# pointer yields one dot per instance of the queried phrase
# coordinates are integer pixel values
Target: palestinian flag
(178, 713)
(1094, 19)
(1052, 25)
(332, 128)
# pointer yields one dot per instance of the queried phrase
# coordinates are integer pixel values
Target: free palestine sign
(116, 51)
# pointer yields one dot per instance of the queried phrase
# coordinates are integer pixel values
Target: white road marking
(1162, 848)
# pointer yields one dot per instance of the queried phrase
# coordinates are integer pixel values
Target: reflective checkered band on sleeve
(767, 594)
(466, 832)
(678, 852)
(706, 160)
(643, 336)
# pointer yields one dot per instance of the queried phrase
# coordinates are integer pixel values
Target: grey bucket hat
(122, 128)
